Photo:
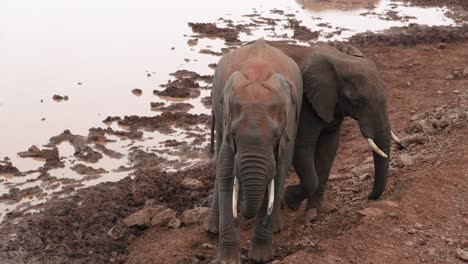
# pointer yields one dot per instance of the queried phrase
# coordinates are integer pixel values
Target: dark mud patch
(77, 229)
(87, 170)
(109, 152)
(178, 119)
(175, 107)
(51, 156)
(185, 85)
(173, 91)
(211, 30)
(137, 92)
(207, 101)
(439, 3)
(301, 32)
(6, 167)
(130, 134)
(60, 98)
(16, 194)
(412, 35)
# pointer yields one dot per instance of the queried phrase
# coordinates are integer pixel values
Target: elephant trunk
(380, 165)
(253, 179)
(378, 135)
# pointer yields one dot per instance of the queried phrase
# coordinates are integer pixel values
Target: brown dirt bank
(439, 3)
(74, 229)
(411, 35)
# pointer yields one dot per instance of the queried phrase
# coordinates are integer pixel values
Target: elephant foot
(231, 256)
(261, 253)
(318, 202)
(228, 261)
(211, 222)
(277, 224)
(311, 215)
(293, 196)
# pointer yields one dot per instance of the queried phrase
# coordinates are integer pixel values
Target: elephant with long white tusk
(257, 95)
(338, 82)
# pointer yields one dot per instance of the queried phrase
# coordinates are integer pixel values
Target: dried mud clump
(16, 194)
(137, 92)
(86, 170)
(60, 98)
(165, 119)
(301, 32)
(180, 88)
(131, 134)
(176, 107)
(461, 3)
(411, 35)
(8, 168)
(109, 152)
(207, 101)
(212, 31)
(51, 156)
(111, 119)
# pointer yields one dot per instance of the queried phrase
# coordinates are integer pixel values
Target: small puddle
(96, 53)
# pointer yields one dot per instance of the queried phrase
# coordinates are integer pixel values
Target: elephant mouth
(235, 197)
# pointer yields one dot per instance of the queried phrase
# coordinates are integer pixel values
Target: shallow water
(48, 47)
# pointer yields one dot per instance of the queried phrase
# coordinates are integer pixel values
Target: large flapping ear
(320, 82)
(292, 104)
(236, 80)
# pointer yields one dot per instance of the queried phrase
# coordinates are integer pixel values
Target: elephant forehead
(256, 93)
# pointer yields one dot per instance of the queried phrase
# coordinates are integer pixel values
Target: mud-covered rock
(194, 215)
(362, 169)
(462, 254)
(405, 160)
(192, 184)
(150, 216)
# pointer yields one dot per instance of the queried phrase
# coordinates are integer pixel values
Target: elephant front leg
(325, 153)
(304, 165)
(261, 249)
(229, 244)
(211, 221)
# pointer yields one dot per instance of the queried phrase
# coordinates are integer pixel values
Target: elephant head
(339, 85)
(259, 122)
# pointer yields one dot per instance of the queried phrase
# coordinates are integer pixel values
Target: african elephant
(338, 82)
(256, 100)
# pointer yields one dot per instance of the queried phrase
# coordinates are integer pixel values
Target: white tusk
(374, 147)
(394, 137)
(235, 195)
(271, 196)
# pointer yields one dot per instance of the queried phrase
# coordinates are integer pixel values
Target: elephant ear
(320, 83)
(292, 104)
(237, 79)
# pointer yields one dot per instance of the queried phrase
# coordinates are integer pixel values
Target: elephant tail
(213, 119)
